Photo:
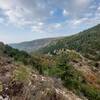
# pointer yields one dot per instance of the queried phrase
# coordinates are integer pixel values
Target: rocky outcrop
(30, 85)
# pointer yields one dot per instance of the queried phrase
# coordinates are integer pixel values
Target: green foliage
(90, 92)
(1, 87)
(2, 48)
(86, 42)
(73, 55)
(21, 74)
(69, 55)
(22, 57)
(72, 78)
(19, 55)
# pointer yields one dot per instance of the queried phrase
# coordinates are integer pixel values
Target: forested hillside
(86, 42)
(66, 69)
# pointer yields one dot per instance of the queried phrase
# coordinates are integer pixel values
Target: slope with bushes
(65, 68)
(19, 81)
(75, 71)
(86, 42)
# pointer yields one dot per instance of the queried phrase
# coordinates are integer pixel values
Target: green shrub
(90, 92)
(22, 74)
(1, 87)
(19, 56)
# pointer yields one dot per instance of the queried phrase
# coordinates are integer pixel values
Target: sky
(24, 20)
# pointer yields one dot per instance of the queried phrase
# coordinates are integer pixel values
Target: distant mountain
(34, 45)
(26, 76)
(86, 42)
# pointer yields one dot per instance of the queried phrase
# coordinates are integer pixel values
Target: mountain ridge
(55, 70)
(33, 45)
(86, 42)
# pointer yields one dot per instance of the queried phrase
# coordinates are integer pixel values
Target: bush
(1, 87)
(21, 74)
(21, 56)
(90, 92)
(73, 79)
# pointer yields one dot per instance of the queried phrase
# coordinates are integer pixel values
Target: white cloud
(23, 12)
(98, 8)
(46, 28)
(36, 13)
(57, 25)
(37, 29)
(30, 10)
(6, 4)
(82, 2)
(65, 12)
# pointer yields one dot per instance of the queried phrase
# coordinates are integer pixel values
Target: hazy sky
(22, 20)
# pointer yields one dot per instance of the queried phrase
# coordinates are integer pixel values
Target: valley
(66, 68)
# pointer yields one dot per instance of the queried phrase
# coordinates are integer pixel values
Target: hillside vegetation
(75, 72)
(66, 69)
(20, 79)
(86, 42)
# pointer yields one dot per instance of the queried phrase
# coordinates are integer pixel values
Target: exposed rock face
(32, 87)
